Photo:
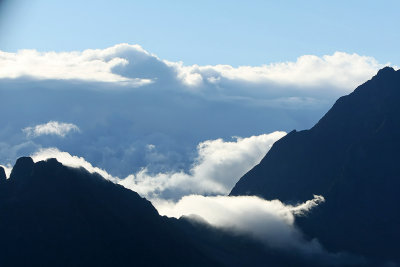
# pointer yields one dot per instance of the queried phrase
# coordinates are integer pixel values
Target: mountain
(351, 157)
(53, 215)
(3, 177)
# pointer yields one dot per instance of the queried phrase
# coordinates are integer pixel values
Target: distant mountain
(352, 158)
(53, 215)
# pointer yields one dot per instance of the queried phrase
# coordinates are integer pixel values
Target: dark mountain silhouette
(351, 157)
(53, 215)
(2, 176)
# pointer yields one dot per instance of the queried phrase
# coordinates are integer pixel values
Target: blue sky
(207, 32)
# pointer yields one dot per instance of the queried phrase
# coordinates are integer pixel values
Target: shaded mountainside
(351, 157)
(53, 215)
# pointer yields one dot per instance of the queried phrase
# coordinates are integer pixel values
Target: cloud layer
(130, 65)
(340, 70)
(51, 128)
(217, 167)
(91, 65)
(135, 110)
(270, 221)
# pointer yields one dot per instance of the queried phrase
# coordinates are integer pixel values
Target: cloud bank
(130, 65)
(268, 220)
(51, 128)
(91, 65)
(340, 70)
(137, 110)
(217, 167)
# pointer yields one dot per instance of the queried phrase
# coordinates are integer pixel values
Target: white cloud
(90, 65)
(340, 70)
(125, 64)
(51, 128)
(270, 221)
(217, 168)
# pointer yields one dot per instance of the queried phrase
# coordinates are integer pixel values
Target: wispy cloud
(51, 128)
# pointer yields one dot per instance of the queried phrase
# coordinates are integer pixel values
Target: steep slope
(53, 215)
(351, 157)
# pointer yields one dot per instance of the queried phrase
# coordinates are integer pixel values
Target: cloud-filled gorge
(178, 135)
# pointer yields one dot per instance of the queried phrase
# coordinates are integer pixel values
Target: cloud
(217, 167)
(132, 65)
(51, 128)
(340, 70)
(269, 221)
(124, 98)
(91, 65)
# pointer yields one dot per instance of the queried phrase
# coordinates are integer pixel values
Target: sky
(207, 32)
(177, 100)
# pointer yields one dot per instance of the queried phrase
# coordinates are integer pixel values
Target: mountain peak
(351, 158)
(385, 70)
(22, 168)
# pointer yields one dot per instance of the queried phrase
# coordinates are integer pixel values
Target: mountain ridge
(351, 158)
(54, 215)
